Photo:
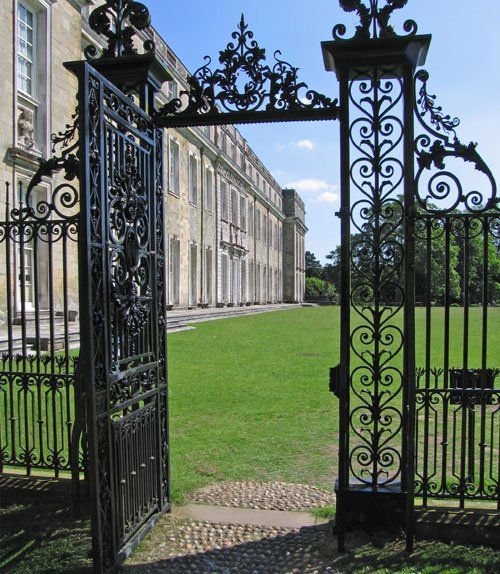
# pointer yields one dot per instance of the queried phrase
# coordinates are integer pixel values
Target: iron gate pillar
(376, 375)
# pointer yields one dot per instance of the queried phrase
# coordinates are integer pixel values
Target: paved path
(220, 533)
(253, 516)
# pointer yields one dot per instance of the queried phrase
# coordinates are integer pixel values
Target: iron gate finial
(119, 21)
(374, 20)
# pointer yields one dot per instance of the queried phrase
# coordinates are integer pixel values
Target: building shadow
(314, 550)
(39, 533)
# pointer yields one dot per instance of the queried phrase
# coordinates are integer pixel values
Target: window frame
(174, 167)
(193, 180)
(31, 78)
(209, 189)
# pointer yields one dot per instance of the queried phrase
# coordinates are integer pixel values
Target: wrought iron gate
(457, 239)
(411, 424)
(40, 398)
(400, 413)
(122, 293)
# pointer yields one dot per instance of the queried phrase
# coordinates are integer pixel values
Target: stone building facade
(228, 227)
(294, 262)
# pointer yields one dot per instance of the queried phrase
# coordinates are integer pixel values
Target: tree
(313, 266)
(472, 265)
(317, 288)
(331, 271)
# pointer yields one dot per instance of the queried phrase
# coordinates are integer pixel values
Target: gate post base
(372, 507)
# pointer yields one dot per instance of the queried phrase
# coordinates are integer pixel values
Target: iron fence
(457, 452)
(39, 336)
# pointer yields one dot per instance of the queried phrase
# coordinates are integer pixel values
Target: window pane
(25, 49)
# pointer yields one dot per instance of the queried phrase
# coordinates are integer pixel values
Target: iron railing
(40, 333)
(457, 452)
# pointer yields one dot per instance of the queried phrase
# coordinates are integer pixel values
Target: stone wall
(254, 240)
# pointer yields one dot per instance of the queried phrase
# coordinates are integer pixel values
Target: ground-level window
(208, 275)
(224, 278)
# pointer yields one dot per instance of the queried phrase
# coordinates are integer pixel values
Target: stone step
(177, 320)
(255, 517)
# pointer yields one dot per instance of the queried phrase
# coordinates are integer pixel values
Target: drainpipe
(216, 228)
(268, 219)
(254, 249)
(202, 221)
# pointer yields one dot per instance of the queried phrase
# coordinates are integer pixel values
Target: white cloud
(327, 197)
(305, 144)
(311, 185)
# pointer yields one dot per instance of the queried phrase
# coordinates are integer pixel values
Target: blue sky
(463, 62)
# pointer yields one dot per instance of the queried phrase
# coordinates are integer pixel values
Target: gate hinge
(335, 380)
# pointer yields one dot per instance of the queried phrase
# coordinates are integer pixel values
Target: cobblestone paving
(206, 548)
(264, 495)
(180, 546)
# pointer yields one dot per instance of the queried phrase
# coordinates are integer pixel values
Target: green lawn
(249, 399)
(249, 396)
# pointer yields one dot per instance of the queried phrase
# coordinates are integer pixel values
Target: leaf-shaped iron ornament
(119, 21)
(245, 90)
(439, 190)
(373, 19)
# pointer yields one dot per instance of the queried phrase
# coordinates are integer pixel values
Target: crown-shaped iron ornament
(119, 21)
(245, 84)
(374, 19)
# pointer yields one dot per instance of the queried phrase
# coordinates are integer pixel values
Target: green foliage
(465, 264)
(313, 266)
(327, 512)
(317, 288)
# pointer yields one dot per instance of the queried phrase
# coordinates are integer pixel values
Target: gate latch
(335, 380)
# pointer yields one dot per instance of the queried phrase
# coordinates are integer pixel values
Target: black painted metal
(123, 315)
(377, 350)
(408, 427)
(458, 418)
(39, 387)
(245, 90)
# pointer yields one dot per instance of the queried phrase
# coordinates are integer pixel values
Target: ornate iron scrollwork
(440, 190)
(245, 85)
(128, 213)
(119, 21)
(377, 257)
(374, 20)
(67, 160)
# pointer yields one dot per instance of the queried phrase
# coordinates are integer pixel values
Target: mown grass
(249, 396)
(249, 400)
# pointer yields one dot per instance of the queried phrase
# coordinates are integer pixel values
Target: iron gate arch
(122, 265)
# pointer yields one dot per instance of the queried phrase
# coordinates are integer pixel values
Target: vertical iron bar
(465, 363)
(345, 311)
(409, 365)
(446, 353)
(9, 273)
(428, 322)
(484, 360)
